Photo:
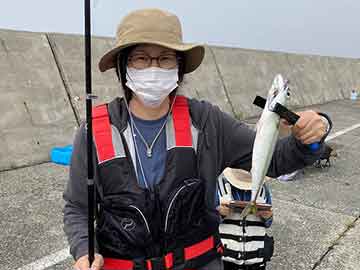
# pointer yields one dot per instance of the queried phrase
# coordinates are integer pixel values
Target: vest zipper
(143, 217)
(172, 201)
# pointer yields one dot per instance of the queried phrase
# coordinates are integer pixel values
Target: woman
(158, 156)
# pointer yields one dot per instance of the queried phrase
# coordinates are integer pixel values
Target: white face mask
(152, 85)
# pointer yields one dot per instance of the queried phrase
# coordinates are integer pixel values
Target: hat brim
(239, 178)
(193, 53)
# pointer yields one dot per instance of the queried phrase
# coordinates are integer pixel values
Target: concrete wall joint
(222, 82)
(63, 78)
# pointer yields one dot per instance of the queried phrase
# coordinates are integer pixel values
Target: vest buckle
(155, 263)
(139, 264)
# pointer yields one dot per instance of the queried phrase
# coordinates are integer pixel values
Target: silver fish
(267, 131)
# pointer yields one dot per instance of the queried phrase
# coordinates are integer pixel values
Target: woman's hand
(224, 208)
(310, 128)
(83, 263)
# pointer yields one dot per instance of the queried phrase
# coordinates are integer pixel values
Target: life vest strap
(181, 118)
(244, 223)
(168, 261)
(242, 238)
(241, 255)
(107, 148)
(102, 133)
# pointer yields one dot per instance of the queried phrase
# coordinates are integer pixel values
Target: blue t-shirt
(153, 166)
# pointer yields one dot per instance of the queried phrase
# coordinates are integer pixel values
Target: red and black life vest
(166, 226)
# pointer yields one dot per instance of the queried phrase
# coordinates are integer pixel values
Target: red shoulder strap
(181, 119)
(102, 133)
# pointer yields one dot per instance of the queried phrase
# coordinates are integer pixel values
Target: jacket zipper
(172, 201)
(200, 144)
(143, 217)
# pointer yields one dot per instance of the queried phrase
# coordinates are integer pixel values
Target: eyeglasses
(142, 61)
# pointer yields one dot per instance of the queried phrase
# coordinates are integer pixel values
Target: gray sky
(325, 27)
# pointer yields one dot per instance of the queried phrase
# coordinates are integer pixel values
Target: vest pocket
(184, 208)
(123, 230)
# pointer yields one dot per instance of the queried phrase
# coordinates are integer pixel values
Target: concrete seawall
(42, 86)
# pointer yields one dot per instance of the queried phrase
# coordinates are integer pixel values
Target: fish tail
(249, 209)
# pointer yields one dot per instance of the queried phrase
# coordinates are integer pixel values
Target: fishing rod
(90, 165)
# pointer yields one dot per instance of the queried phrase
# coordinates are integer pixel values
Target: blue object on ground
(61, 155)
(353, 95)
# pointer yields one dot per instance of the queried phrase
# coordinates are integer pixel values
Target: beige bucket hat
(239, 178)
(153, 26)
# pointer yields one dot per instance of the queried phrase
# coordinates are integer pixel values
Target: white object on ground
(287, 177)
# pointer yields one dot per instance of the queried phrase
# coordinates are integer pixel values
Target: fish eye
(288, 94)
